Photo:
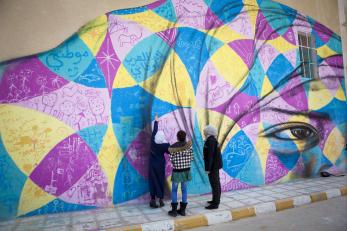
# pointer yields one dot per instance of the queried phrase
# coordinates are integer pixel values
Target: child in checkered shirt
(181, 156)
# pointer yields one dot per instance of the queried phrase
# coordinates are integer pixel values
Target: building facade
(76, 120)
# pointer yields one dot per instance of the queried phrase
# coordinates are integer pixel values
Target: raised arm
(155, 128)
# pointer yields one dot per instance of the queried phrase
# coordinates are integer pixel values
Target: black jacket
(212, 155)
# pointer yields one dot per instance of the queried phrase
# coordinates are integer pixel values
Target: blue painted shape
(3, 66)
(212, 44)
(58, 206)
(199, 183)
(236, 154)
(334, 43)
(12, 181)
(318, 41)
(289, 161)
(132, 109)
(252, 173)
(167, 11)
(68, 60)
(92, 76)
(254, 82)
(286, 150)
(208, 2)
(128, 184)
(341, 161)
(314, 159)
(334, 109)
(226, 10)
(194, 49)
(279, 69)
(93, 136)
(147, 57)
(129, 10)
(279, 17)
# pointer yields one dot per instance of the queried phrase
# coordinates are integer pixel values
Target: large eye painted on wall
(304, 135)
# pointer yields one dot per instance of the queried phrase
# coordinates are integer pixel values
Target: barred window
(308, 55)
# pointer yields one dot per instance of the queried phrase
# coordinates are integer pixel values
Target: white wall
(31, 26)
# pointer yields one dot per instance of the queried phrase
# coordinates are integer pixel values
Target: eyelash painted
(301, 131)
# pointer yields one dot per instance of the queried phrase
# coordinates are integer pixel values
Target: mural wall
(75, 121)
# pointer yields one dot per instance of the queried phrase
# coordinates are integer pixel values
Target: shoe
(209, 202)
(182, 209)
(173, 212)
(161, 203)
(152, 204)
(212, 206)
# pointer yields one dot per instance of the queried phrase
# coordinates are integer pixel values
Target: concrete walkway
(234, 205)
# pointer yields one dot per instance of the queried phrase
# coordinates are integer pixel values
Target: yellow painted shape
(123, 79)
(262, 146)
(94, 33)
(150, 20)
(325, 51)
(32, 198)
(29, 135)
(172, 83)
(290, 176)
(225, 34)
(110, 155)
(267, 87)
(226, 127)
(281, 44)
(252, 8)
(230, 66)
(318, 95)
(334, 145)
(340, 94)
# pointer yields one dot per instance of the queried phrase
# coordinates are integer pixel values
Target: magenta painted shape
(245, 49)
(64, 165)
(76, 105)
(336, 64)
(322, 31)
(264, 30)
(289, 35)
(212, 89)
(294, 94)
(27, 78)
(274, 169)
(324, 128)
(235, 184)
(138, 153)
(155, 4)
(237, 108)
(90, 189)
(190, 13)
(169, 36)
(108, 61)
(299, 168)
(212, 21)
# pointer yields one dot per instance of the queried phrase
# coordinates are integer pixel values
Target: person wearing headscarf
(181, 156)
(156, 176)
(213, 162)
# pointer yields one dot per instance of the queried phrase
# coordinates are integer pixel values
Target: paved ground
(330, 215)
(109, 218)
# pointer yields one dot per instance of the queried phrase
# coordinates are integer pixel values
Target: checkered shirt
(182, 159)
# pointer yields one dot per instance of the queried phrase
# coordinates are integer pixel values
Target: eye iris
(301, 133)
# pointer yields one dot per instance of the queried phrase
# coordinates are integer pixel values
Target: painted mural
(75, 121)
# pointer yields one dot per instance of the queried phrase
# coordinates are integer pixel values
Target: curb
(223, 216)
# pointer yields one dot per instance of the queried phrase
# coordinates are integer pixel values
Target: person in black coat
(156, 176)
(213, 162)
